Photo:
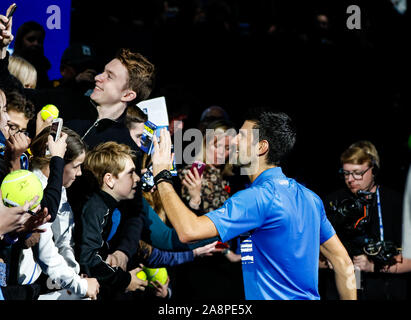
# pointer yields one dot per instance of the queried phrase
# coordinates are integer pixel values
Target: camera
(147, 180)
(382, 253)
(351, 214)
(351, 217)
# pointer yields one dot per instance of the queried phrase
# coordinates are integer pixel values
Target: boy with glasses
(20, 111)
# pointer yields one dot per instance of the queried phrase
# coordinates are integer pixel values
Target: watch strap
(163, 175)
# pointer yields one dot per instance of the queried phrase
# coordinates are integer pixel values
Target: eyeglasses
(355, 174)
(14, 129)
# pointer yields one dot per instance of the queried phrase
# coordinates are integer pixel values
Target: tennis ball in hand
(49, 110)
(156, 274)
(141, 275)
(20, 186)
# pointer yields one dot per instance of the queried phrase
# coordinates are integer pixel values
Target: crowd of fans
(97, 228)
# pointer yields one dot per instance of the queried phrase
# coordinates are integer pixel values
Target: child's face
(125, 183)
(136, 131)
(72, 170)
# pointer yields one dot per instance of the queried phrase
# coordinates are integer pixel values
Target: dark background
(339, 85)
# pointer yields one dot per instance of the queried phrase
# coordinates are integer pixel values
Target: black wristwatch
(163, 175)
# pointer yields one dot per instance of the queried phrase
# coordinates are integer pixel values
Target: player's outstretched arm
(187, 224)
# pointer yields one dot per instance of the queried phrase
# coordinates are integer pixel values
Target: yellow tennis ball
(156, 274)
(49, 110)
(141, 275)
(20, 186)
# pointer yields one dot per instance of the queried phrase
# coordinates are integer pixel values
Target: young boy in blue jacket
(113, 167)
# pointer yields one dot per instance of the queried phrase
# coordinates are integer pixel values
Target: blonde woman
(209, 191)
(24, 71)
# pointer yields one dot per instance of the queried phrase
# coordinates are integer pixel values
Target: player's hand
(162, 157)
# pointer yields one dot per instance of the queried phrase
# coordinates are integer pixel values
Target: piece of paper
(156, 110)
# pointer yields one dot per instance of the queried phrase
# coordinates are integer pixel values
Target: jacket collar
(120, 119)
(108, 200)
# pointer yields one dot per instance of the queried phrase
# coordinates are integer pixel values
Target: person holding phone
(13, 220)
(51, 200)
(205, 183)
(54, 254)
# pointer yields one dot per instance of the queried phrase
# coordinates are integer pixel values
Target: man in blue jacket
(282, 224)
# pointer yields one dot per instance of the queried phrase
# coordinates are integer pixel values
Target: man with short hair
(282, 224)
(126, 80)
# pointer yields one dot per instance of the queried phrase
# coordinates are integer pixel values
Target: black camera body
(382, 253)
(351, 214)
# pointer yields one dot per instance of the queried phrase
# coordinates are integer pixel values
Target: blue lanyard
(379, 214)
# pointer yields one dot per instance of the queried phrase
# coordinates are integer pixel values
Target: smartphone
(147, 180)
(200, 167)
(12, 11)
(55, 130)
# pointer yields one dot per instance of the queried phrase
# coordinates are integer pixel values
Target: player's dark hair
(275, 127)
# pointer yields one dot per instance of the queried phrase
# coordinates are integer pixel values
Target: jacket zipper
(95, 124)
